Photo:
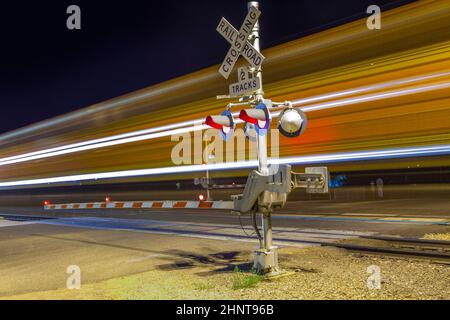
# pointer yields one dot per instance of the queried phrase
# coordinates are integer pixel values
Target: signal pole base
(266, 261)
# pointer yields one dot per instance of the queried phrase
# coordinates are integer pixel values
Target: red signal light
(217, 122)
(259, 117)
(253, 116)
(201, 197)
(46, 203)
(224, 123)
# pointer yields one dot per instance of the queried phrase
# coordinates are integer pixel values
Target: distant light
(201, 197)
(46, 203)
(107, 199)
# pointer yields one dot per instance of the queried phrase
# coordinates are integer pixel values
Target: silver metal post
(266, 258)
(211, 158)
(267, 226)
(208, 195)
(262, 140)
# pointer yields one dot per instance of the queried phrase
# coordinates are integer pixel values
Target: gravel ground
(316, 273)
(437, 236)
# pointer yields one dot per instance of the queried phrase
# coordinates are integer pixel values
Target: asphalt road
(34, 255)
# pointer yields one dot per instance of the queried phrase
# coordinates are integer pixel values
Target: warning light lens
(107, 199)
(201, 197)
(46, 203)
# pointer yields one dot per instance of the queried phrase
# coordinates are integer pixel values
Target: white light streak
(300, 160)
(374, 87)
(374, 97)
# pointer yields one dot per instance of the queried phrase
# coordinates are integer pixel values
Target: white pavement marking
(9, 223)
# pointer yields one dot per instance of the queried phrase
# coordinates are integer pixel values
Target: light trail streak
(196, 125)
(108, 144)
(107, 139)
(300, 160)
(379, 86)
(391, 94)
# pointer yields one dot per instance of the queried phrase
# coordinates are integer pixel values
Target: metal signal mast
(268, 187)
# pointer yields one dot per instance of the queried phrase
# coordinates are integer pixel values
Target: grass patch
(244, 280)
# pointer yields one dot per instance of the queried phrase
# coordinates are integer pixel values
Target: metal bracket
(314, 180)
(265, 193)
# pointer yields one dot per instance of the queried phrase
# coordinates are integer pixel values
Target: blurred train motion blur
(377, 101)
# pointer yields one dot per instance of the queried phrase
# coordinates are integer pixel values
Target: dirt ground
(314, 273)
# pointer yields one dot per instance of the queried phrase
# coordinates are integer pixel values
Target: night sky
(47, 70)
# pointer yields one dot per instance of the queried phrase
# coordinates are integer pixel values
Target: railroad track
(434, 251)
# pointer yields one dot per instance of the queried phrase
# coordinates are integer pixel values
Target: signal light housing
(224, 122)
(292, 122)
(259, 117)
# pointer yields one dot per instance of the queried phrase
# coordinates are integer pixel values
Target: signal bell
(224, 122)
(292, 122)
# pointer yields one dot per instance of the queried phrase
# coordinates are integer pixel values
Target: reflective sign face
(239, 43)
(244, 87)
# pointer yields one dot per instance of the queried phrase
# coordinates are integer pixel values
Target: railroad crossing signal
(239, 42)
(224, 122)
(264, 190)
(259, 117)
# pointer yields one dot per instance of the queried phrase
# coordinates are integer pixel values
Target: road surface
(107, 244)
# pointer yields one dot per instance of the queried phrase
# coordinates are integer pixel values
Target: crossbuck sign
(239, 43)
